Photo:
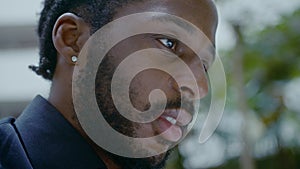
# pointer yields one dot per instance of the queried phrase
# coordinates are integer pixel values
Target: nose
(193, 83)
(197, 84)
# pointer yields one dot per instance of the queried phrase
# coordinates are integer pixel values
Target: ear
(70, 33)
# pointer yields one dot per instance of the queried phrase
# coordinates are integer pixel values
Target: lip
(170, 123)
(181, 116)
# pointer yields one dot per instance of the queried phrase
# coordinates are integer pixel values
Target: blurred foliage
(271, 59)
(285, 159)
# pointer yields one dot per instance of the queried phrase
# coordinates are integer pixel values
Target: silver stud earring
(74, 59)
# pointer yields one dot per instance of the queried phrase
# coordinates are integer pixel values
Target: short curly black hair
(96, 13)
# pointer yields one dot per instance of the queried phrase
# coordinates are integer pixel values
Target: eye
(205, 67)
(171, 44)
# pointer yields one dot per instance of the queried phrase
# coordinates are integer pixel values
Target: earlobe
(69, 35)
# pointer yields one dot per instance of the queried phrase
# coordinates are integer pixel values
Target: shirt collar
(51, 141)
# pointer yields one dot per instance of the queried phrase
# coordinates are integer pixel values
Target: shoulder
(11, 148)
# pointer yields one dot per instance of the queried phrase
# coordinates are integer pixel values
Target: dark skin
(71, 32)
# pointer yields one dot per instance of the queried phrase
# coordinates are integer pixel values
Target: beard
(123, 125)
(120, 123)
(155, 162)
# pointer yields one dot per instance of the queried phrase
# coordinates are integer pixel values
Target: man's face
(179, 110)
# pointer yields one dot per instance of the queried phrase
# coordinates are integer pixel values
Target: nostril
(187, 92)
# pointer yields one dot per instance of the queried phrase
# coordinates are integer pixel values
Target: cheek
(144, 83)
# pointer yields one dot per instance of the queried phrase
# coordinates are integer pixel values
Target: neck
(61, 99)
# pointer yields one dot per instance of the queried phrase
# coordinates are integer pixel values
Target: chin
(160, 160)
(155, 162)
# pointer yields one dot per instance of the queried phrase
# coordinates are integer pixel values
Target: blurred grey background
(18, 49)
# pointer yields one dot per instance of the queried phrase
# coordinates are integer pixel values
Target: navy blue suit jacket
(41, 138)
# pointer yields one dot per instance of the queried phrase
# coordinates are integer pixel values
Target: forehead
(201, 13)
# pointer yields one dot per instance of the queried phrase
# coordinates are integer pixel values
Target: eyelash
(205, 67)
(166, 42)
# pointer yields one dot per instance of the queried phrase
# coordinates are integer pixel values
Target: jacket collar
(51, 141)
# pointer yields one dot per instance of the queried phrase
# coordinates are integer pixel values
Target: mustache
(176, 103)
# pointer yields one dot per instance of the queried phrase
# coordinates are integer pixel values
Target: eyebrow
(177, 22)
(188, 28)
